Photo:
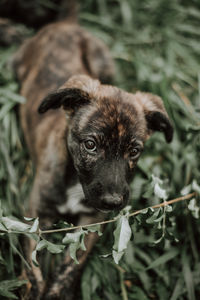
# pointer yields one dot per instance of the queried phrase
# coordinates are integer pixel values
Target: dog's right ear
(79, 90)
(69, 98)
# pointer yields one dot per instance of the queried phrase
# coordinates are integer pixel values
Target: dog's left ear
(68, 98)
(155, 114)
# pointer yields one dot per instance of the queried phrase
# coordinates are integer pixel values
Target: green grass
(155, 45)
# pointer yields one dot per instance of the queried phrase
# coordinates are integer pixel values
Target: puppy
(84, 137)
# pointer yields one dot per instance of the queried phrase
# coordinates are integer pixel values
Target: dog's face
(107, 131)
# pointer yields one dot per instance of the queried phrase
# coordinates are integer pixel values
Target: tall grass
(156, 47)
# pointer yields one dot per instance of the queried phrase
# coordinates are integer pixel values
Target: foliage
(7, 286)
(156, 48)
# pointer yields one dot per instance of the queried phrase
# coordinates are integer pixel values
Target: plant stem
(186, 197)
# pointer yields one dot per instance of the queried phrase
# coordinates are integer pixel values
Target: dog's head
(106, 135)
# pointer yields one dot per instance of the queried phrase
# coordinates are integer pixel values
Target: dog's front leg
(44, 194)
(35, 284)
(64, 286)
(34, 275)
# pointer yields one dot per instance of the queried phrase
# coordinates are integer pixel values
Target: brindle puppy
(84, 138)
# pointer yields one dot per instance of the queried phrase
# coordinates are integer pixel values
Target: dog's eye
(90, 145)
(134, 152)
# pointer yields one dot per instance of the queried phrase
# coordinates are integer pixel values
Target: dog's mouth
(89, 204)
(105, 211)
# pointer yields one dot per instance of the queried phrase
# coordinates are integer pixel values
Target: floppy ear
(68, 98)
(156, 115)
(76, 92)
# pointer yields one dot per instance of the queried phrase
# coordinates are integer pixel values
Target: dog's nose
(112, 201)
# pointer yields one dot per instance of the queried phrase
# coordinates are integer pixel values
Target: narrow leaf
(163, 259)
(35, 226)
(72, 251)
(34, 258)
(72, 237)
(117, 256)
(122, 234)
(15, 225)
(188, 276)
(95, 228)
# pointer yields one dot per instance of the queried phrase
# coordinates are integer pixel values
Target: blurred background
(156, 48)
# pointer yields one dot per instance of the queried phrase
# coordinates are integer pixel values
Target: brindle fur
(63, 66)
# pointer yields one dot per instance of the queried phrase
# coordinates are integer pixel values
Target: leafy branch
(8, 225)
(122, 232)
(163, 204)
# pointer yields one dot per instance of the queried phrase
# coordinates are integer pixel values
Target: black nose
(112, 202)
